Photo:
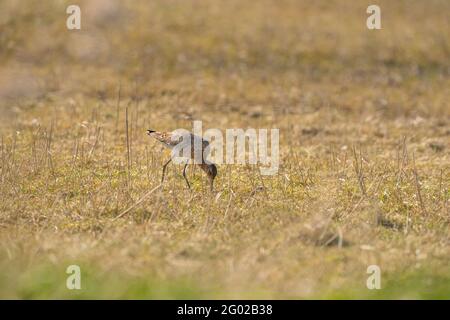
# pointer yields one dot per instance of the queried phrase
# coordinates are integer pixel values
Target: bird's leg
(184, 174)
(164, 170)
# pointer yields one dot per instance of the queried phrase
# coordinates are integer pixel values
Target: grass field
(364, 119)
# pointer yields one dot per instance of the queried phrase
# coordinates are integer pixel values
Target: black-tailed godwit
(191, 141)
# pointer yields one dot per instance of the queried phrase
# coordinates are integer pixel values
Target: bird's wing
(168, 138)
(196, 139)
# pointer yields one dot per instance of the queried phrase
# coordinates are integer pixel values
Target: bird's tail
(150, 131)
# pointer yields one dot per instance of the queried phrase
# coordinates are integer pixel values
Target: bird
(183, 139)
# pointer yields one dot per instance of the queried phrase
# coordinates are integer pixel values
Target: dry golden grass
(364, 149)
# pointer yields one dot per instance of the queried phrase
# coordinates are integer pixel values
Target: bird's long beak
(211, 184)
